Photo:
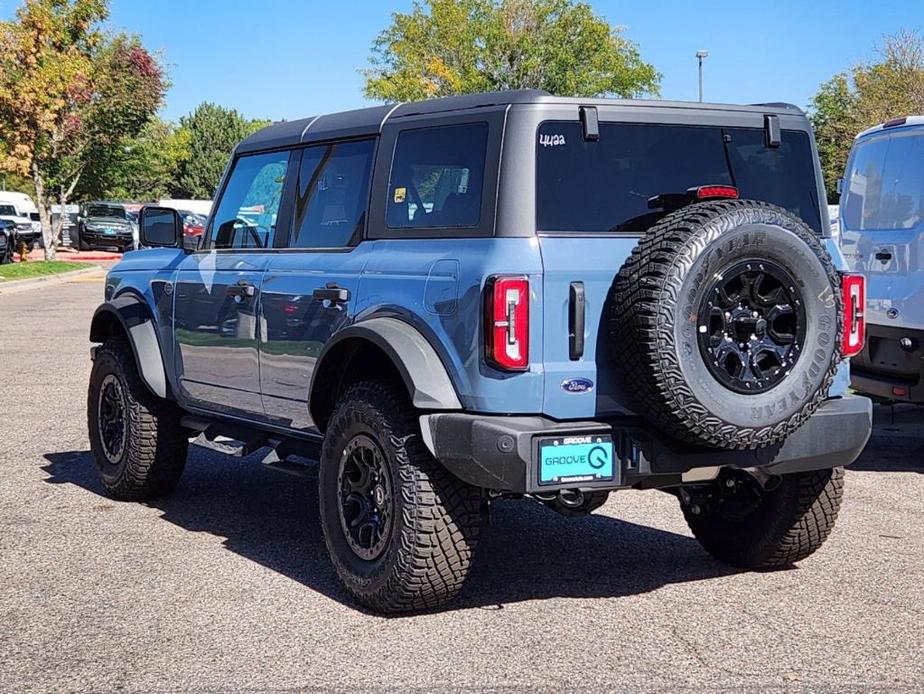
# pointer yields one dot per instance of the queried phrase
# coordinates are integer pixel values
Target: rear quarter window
(604, 185)
(437, 177)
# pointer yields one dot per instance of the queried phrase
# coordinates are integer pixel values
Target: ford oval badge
(577, 385)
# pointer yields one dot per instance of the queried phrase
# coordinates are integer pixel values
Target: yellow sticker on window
(400, 195)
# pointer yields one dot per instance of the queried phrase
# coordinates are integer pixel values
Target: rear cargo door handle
(332, 293)
(884, 256)
(576, 313)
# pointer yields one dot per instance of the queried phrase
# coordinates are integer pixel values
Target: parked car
(19, 209)
(7, 239)
(105, 225)
(499, 295)
(882, 235)
(193, 224)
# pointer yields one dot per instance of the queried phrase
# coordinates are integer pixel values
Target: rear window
(885, 183)
(604, 185)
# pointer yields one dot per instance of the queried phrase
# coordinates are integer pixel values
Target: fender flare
(416, 360)
(138, 325)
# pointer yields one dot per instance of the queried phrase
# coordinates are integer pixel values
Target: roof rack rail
(780, 104)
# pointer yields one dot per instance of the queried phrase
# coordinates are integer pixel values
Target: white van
(882, 236)
(20, 209)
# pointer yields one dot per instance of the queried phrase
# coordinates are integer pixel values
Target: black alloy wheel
(111, 418)
(751, 326)
(366, 501)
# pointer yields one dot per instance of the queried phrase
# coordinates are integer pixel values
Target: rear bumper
(499, 453)
(886, 370)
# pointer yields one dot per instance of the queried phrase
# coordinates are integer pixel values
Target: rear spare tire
(726, 318)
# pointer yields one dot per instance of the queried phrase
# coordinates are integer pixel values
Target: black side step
(239, 440)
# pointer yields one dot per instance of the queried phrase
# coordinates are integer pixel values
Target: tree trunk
(62, 202)
(43, 203)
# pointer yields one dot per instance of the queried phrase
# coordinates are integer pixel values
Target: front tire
(752, 528)
(400, 529)
(136, 438)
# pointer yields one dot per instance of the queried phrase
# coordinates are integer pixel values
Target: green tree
(69, 95)
(865, 95)
(212, 133)
(144, 168)
(445, 47)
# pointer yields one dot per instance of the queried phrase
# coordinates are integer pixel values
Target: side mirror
(160, 227)
(840, 186)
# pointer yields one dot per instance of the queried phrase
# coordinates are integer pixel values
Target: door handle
(576, 314)
(243, 289)
(332, 293)
(884, 256)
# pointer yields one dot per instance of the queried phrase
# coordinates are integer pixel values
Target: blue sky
(291, 58)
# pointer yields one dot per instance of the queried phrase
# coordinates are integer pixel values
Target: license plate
(109, 232)
(569, 459)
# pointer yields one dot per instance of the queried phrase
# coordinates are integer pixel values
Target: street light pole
(700, 55)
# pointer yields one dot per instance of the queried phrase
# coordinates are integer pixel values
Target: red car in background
(193, 224)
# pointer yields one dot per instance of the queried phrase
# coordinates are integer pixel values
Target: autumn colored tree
(866, 95)
(70, 95)
(445, 47)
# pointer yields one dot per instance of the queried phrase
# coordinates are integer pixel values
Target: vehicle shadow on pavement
(528, 552)
(897, 443)
(891, 452)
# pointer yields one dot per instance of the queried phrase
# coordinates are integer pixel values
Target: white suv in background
(21, 210)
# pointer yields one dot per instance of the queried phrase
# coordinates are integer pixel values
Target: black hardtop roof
(369, 121)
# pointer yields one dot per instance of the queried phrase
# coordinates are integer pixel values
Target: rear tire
(786, 525)
(400, 529)
(136, 438)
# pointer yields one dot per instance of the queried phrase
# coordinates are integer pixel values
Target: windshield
(8, 211)
(106, 211)
(885, 182)
(604, 185)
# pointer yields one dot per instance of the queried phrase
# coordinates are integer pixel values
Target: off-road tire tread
(807, 505)
(641, 323)
(441, 514)
(157, 442)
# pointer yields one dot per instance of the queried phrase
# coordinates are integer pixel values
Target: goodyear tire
(136, 438)
(400, 529)
(770, 529)
(727, 320)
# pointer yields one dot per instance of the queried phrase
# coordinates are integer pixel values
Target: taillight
(853, 290)
(507, 322)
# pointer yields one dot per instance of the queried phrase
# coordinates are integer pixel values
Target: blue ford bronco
(499, 295)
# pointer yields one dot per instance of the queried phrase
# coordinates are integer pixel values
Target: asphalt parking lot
(225, 586)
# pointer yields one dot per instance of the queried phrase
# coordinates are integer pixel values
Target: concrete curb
(11, 286)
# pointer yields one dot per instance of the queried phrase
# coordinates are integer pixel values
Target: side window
(333, 193)
(246, 215)
(437, 176)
